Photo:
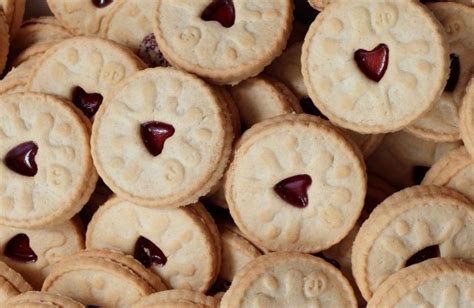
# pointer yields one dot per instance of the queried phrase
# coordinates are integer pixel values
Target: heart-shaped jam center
(222, 11)
(373, 63)
(148, 254)
(294, 190)
(101, 3)
(308, 107)
(18, 249)
(418, 173)
(154, 134)
(424, 254)
(454, 72)
(88, 103)
(21, 159)
(150, 53)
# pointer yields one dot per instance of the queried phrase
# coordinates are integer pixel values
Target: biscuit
(177, 298)
(82, 17)
(41, 299)
(47, 166)
(441, 123)
(176, 132)
(102, 278)
(32, 252)
(83, 69)
(366, 67)
(289, 280)
(181, 245)
(437, 282)
(295, 184)
(454, 170)
(402, 159)
(11, 283)
(467, 118)
(412, 225)
(224, 41)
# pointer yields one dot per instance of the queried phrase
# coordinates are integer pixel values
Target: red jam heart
(148, 253)
(154, 135)
(373, 63)
(88, 103)
(294, 190)
(18, 249)
(424, 254)
(150, 53)
(21, 159)
(454, 72)
(222, 11)
(101, 3)
(308, 107)
(418, 173)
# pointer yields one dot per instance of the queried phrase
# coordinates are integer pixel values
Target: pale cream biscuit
(441, 123)
(46, 163)
(261, 98)
(11, 283)
(454, 170)
(367, 68)
(32, 253)
(83, 70)
(438, 282)
(224, 41)
(34, 299)
(467, 118)
(177, 298)
(175, 131)
(289, 280)
(402, 159)
(102, 278)
(181, 245)
(412, 225)
(308, 188)
(82, 17)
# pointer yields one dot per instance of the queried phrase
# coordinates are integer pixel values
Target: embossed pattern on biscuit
(63, 163)
(283, 147)
(407, 223)
(442, 122)
(289, 280)
(192, 153)
(223, 53)
(174, 231)
(48, 245)
(90, 64)
(414, 77)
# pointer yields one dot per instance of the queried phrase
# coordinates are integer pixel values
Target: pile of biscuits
(241, 153)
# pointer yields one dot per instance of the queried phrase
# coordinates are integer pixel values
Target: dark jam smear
(148, 254)
(222, 11)
(329, 260)
(21, 159)
(88, 103)
(18, 249)
(454, 72)
(424, 254)
(373, 63)
(294, 190)
(150, 52)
